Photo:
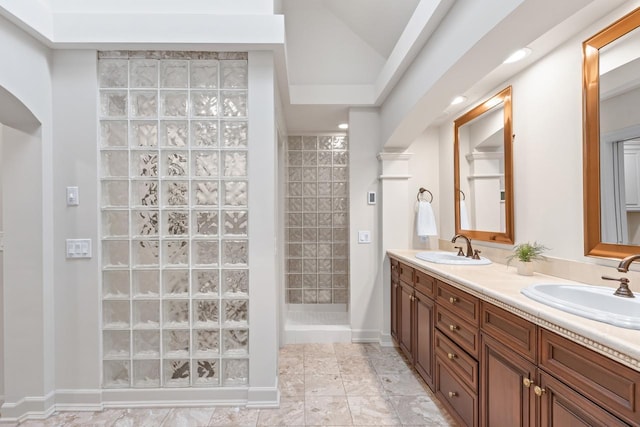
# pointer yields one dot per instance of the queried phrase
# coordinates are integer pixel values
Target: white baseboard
(37, 408)
(386, 340)
(365, 335)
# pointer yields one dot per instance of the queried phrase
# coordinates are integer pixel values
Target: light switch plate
(371, 197)
(364, 237)
(73, 196)
(78, 248)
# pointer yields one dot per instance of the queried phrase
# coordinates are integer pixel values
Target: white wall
(28, 221)
(263, 243)
(52, 313)
(365, 260)
(547, 123)
(77, 296)
(424, 169)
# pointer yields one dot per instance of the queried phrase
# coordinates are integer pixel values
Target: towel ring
(421, 192)
(463, 196)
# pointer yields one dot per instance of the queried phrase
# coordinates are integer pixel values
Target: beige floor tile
(419, 410)
(188, 417)
(390, 365)
(321, 365)
(319, 350)
(372, 410)
(357, 385)
(356, 366)
(234, 416)
(349, 349)
(327, 411)
(291, 385)
(291, 365)
(323, 385)
(143, 417)
(402, 384)
(292, 350)
(76, 419)
(290, 413)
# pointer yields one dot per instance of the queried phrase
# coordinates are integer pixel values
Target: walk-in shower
(317, 239)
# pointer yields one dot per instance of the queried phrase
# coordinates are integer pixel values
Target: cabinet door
(423, 354)
(507, 397)
(395, 291)
(561, 406)
(405, 319)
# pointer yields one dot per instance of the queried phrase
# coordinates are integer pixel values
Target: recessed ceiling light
(343, 126)
(458, 100)
(518, 55)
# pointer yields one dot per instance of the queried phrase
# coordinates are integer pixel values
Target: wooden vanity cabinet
(405, 319)
(395, 291)
(611, 388)
(457, 347)
(412, 314)
(490, 367)
(508, 369)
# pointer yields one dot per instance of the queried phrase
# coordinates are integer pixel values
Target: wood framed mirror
(611, 170)
(483, 170)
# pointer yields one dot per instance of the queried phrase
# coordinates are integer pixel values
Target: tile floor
(320, 384)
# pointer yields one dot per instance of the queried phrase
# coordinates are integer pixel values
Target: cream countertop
(501, 285)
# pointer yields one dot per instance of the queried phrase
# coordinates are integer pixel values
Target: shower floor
(317, 324)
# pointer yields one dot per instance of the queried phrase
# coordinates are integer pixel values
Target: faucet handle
(621, 279)
(459, 248)
(475, 254)
(623, 290)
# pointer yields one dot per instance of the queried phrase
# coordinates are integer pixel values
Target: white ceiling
(340, 54)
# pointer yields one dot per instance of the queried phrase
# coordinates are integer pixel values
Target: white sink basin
(592, 302)
(450, 258)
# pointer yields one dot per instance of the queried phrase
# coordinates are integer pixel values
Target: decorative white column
(394, 182)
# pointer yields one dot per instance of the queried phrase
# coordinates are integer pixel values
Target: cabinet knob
(452, 394)
(452, 327)
(453, 300)
(395, 285)
(451, 356)
(527, 382)
(539, 391)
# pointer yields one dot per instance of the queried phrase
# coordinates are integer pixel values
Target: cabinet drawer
(515, 332)
(459, 331)
(613, 386)
(563, 406)
(458, 302)
(425, 284)
(457, 360)
(462, 402)
(406, 273)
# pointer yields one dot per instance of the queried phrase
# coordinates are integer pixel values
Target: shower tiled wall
(317, 220)
(174, 232)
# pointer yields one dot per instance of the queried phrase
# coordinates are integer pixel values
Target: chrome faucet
(623, 290)
(468, 240)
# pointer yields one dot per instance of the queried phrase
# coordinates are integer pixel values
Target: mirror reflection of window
(619, 74)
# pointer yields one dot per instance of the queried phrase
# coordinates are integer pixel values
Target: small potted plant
(526, 253)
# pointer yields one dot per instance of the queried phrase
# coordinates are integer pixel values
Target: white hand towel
(464, 216)
(425, 220)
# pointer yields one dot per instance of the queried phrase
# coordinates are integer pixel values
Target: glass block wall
(317, 220)
(174, 232)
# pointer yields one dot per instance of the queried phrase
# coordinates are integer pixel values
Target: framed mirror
(483, 170)
(611, 167)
